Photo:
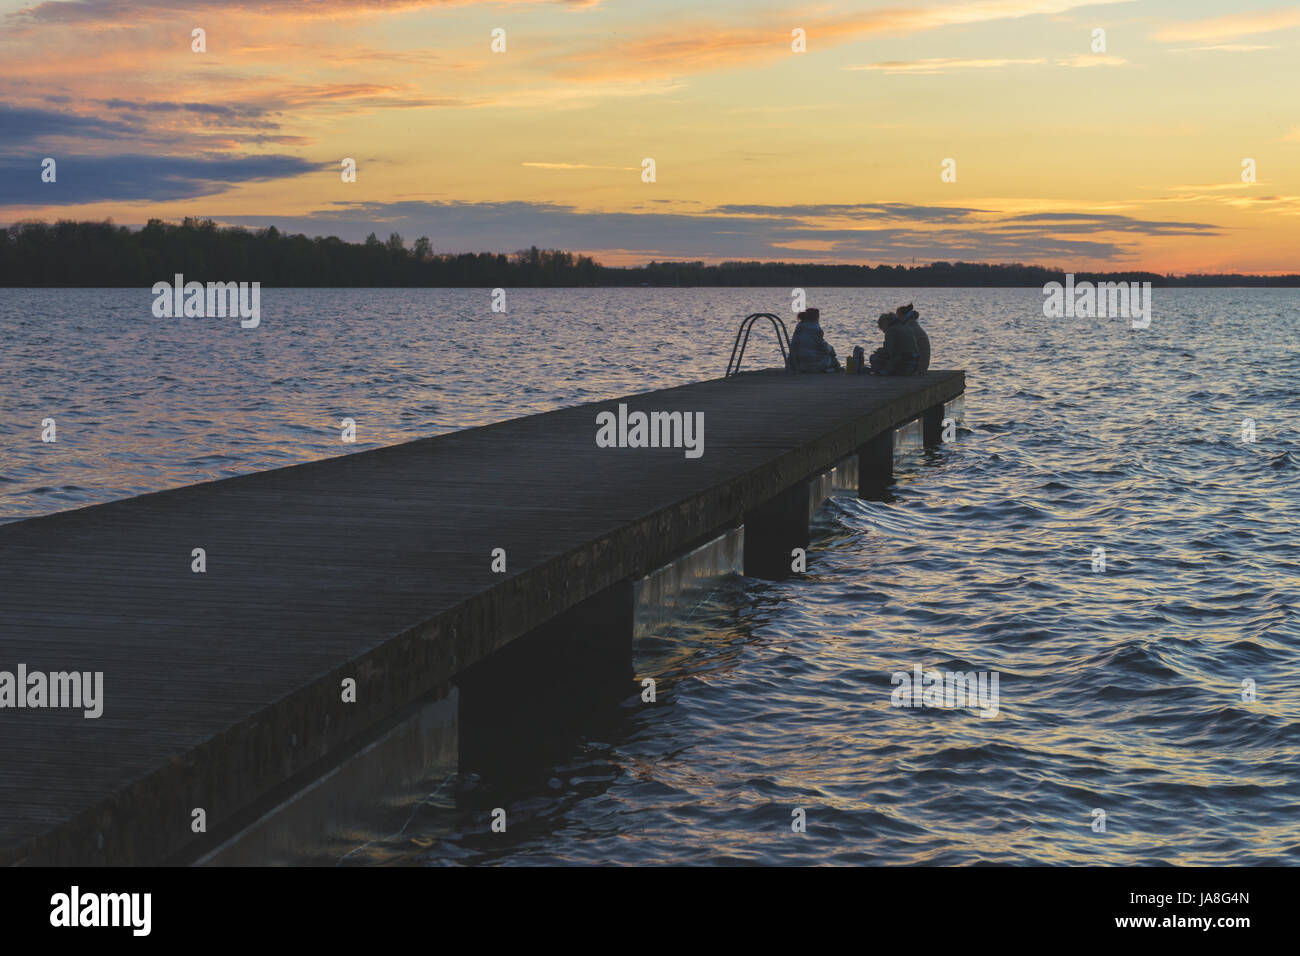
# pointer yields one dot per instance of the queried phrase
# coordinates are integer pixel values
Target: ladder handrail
(746, 328)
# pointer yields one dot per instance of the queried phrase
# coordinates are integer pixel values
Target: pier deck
(375, 566)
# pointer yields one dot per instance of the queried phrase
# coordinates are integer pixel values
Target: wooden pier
(376, 567)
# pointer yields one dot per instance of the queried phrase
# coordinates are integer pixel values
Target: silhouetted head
(885, 319)
(810, 315)
(904, 309)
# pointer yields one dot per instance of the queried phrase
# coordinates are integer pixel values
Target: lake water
(1120, 690)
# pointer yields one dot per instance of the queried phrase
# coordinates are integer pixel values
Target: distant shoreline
(95, 255)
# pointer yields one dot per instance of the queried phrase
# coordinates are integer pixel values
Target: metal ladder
(746, 327)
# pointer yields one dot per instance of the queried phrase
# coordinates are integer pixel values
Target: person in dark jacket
(911, 317)
(808, 347)
(900, 353)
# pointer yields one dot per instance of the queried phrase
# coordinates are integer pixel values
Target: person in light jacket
(910, 317)
(809, 350)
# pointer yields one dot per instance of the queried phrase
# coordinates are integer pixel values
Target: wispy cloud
(1213, 187)
(256, 117)
(224, 110)
(1240, 24)
(575, 166)
(1225, 48)
(360, 96)
(881, 232)
(1232, 197)
(944, 65)
(1097, 222)
(85, 11)
(880, 210)
(91, 179)
(1086, 60)
(951, 64)
(22, 125)
(707, 46)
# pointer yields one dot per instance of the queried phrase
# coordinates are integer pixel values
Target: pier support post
(558, 676)
(933, 425)
(774, 529)
(876, 465)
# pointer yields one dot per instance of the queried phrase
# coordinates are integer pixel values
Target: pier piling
(774, 529)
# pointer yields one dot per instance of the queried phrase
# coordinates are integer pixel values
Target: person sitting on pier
(900, 353)
(809, 350)
(911, 317)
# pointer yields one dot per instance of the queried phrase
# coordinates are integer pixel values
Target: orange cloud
(114, 11)
(704, 47)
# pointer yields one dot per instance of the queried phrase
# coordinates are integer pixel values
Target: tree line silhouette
(101, 254)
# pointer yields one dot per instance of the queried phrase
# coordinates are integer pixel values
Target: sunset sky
(1128, 158)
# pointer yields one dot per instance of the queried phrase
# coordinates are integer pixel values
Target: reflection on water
(359, 811)
(841, 478)
(909, 438)
(674, 592)
(1121, 690)
(955, 409)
